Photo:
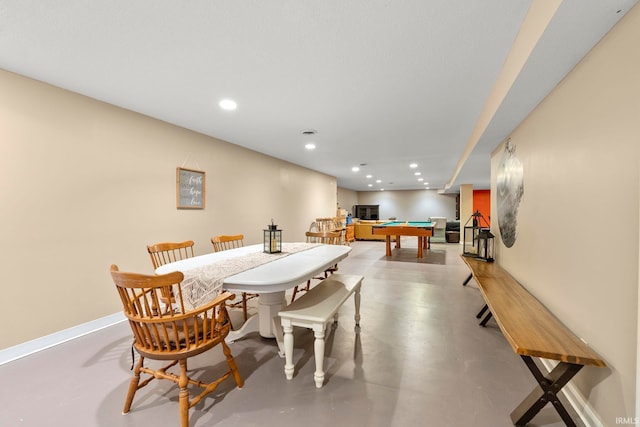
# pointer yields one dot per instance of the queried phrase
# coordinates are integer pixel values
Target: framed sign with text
(190, 189)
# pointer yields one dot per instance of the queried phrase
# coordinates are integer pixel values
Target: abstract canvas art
(510, 189)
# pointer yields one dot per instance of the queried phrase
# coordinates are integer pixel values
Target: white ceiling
(384, 82)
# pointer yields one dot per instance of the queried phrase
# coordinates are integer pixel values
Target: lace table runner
(203, 284)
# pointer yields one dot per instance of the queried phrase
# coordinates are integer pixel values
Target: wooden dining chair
(223, 243)
(333, 224)
(166, 252)
(326, 238)
(172, 335)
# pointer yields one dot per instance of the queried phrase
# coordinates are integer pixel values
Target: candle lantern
(272, 239)
(472, 229)
(485, 245)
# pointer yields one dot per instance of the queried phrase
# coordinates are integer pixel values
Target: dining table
(249, 269)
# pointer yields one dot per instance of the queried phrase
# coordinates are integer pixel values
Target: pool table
(422, 229)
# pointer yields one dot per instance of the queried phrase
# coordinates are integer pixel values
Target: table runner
(203, 284)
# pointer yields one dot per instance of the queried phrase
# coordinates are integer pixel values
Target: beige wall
(85, 184)
(411, 205)
(577, 241)
(347, 199)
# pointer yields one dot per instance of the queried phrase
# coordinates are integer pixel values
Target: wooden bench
(314, 310)
(532, 331)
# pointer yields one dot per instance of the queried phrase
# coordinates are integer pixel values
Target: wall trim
(579, 404)
(25, 349)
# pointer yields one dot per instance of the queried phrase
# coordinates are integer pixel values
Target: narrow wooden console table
(532, 331)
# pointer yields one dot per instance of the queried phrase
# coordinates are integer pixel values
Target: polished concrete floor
(420, 359)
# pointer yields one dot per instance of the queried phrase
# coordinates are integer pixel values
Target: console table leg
(548, 390)
(467, 280)
(485, 308)
(486, 319)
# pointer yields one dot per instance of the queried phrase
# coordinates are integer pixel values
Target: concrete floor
(420, 359)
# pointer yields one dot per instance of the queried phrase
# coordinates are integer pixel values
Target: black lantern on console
(472, 228)
(485, 245)
(272, 239)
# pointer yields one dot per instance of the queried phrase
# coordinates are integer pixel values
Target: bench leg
(485, 308)
(287, 327)
(467, 280)
(318, 352)
(486, 319)
(547, 391)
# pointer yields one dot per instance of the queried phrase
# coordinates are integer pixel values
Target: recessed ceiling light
(355, 169)
(420, 179)
(228, 104)
(426, 183)
(382, 189)
(413, 165)
(378, 181)
(369, 176)
(370, 185)
(418, 173)
(310, 146)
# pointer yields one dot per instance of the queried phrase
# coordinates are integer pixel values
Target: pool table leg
(420, 244)
(388, 244)
(397, 242)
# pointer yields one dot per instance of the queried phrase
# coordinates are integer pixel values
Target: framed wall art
(190, 189)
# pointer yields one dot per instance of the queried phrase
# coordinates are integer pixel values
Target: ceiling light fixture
(413, 165)
(369, 176)
(228, 104)
(418, 173)
(355, 169)
(310, 146)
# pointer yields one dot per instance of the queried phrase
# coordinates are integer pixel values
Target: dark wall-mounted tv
(367, 211)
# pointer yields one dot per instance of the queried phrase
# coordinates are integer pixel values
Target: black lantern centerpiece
(485, 245)
(471, 237)
(272, 239)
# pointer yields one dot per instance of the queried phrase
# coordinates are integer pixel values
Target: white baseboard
(579, 404)
(21, 350)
